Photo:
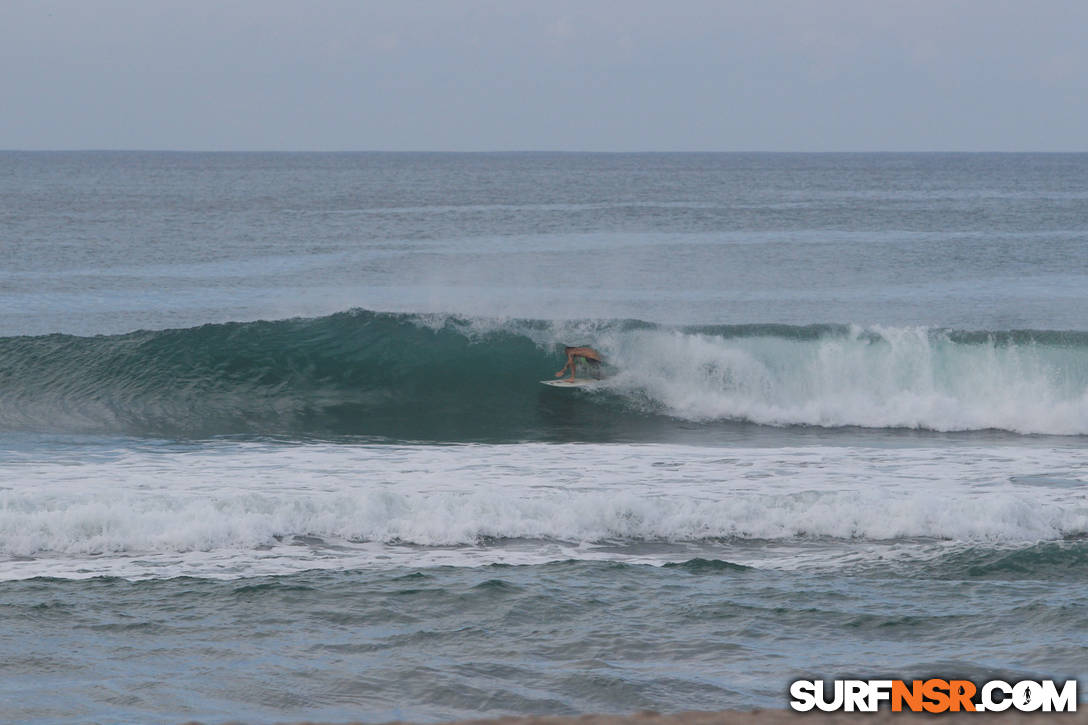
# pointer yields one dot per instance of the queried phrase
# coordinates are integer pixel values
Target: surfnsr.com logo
(933, 695)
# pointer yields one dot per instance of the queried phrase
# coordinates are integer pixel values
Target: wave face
(417, 377)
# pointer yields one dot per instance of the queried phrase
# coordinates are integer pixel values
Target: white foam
(235, 509)
(906, 377)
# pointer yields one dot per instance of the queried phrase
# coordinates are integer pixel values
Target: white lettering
(878, 690)
(803, 693)
(1027, 696)
(830, 705)
(1064, 701)
(855, 695)
(988, 702)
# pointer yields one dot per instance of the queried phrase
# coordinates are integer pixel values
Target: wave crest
(421, 377)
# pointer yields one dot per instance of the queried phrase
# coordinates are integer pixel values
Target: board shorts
(593, 365)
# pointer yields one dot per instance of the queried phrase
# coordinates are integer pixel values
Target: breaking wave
(425, 377)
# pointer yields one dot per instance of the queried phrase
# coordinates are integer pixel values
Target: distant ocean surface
(273, 444)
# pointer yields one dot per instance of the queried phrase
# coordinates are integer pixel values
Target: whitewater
(246, 509)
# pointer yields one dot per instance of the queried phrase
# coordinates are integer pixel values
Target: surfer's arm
(570, 364)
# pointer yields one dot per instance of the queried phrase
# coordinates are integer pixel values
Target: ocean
(273, 443)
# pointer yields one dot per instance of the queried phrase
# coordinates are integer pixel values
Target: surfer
(585, 355)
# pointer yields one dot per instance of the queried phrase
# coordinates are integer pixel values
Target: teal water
(273, 444)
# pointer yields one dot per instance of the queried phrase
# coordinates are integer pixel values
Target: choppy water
(272, 443)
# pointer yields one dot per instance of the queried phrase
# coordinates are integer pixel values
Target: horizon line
(530, 151)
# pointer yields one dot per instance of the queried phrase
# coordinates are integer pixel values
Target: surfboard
(568, 383)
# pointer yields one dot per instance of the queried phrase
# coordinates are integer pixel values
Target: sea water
(273, 444)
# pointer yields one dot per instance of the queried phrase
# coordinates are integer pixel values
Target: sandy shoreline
(764, 717)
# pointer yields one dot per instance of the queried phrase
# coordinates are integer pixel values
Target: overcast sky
(614, 75)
